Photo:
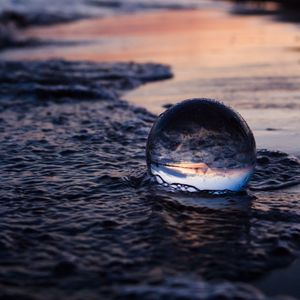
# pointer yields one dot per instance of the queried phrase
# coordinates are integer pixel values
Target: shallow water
(37, 12)
(273, 283)
(17, 15)
(80, 218)
(250, 63)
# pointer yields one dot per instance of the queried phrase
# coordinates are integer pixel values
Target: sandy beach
(82, 218)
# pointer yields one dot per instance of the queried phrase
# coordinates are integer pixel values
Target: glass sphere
(201, 145)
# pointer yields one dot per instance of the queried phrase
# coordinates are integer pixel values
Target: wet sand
(250, 63)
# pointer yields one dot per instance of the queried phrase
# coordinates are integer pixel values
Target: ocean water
(16, 15)
(47, 12)
(81, 219)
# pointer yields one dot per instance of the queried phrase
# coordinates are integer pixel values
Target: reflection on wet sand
(248, 62)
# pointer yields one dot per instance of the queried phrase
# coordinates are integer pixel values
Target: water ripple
(76, 222)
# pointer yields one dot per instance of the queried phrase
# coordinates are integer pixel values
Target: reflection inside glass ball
(201, 145)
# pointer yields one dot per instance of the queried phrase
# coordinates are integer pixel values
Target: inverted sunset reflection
(194, 177)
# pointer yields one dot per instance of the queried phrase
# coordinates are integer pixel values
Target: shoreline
(198, 67)
(247, 62)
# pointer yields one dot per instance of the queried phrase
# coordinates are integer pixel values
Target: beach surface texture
(80, 216)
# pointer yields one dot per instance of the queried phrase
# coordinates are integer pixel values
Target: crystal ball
(201, 145)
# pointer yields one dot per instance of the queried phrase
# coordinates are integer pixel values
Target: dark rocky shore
(80, 219)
